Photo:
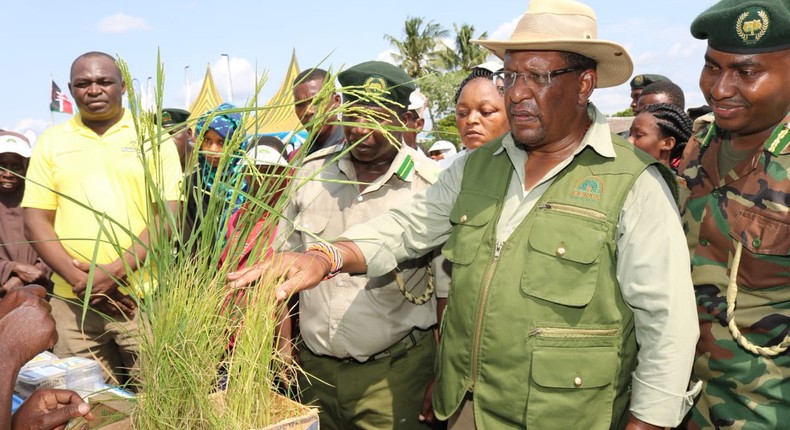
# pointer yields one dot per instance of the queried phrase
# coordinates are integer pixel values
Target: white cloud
(694, 98)
(446, 43)
(612, 100)
(242, 78)
(32, 127)
(121, 23)
(387, 56)
(504, 30)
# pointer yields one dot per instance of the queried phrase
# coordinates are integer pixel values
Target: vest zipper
(571, 332)
(479, 320)
(575, 210)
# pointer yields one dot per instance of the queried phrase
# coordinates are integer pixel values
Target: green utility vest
(536, 327)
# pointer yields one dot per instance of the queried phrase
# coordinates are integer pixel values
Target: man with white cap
(441, 150)
(567, 252)
(19, 262)
(414, 118)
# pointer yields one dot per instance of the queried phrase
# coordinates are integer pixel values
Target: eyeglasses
(507, 79)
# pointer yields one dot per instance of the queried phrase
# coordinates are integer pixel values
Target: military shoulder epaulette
(421, 165)
(707, 134)
(779, 140)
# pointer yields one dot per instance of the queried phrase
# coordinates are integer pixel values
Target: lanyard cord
(732, 292)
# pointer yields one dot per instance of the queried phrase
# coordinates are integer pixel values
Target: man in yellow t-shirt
(88, 194)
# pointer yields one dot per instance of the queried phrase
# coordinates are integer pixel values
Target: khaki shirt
(652, 264)
(357, 316)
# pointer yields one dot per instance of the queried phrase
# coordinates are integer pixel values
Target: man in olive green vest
(571, 303)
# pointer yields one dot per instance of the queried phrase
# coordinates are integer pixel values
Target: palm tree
(417, 51)
(466, 55)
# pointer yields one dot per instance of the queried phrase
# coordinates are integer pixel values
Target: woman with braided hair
(662, 131)
(480, 107)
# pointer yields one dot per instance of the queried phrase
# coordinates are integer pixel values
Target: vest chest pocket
(470, 217)
(563, 256)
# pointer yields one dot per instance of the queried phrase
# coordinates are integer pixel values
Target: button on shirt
(652, 263)
(358, 316)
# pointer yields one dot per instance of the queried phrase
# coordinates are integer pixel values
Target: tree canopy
(417, 52)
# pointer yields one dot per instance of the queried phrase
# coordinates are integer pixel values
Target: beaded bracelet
(335, 258)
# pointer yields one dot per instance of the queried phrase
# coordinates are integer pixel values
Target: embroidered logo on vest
(589, 188)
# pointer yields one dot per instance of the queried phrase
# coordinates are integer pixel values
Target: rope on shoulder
(411, 297)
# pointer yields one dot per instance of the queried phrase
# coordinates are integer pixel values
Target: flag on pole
(60, 101)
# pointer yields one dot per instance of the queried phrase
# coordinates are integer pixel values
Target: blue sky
(40, 39)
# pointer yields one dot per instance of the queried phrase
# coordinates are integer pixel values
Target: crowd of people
(547, 274)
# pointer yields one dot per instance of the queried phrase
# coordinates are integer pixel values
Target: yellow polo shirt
(97, 187)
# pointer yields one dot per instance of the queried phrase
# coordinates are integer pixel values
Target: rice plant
(190, 376)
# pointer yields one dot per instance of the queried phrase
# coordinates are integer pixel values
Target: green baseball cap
(745, 26)
(376, 80)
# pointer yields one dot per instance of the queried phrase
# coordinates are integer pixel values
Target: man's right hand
(50, 409)
(105, 296)
(26, 324)
(104, 281)
(299, 271)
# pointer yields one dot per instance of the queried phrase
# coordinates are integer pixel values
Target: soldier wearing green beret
(639, 82)
(734, 176)
(368, 345)
(174, 120)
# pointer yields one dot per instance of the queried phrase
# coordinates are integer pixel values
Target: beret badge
(375, 85)
(752, 25)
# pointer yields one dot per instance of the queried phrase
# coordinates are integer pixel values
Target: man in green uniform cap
(734, 175)
(174, 120)
(571, 303)
(368, 345)
(639, 82)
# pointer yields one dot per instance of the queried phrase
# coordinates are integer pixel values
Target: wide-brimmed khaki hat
(570, 26)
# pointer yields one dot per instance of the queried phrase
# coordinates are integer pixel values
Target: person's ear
(588, 79)
(668, 143)
(406, 118)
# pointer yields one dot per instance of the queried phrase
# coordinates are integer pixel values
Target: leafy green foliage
(624, 113)
(440, 88)
(466, 55)
(445, 129)
(417, 52)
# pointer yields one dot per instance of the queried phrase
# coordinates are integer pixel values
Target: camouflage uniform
(750, 204)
